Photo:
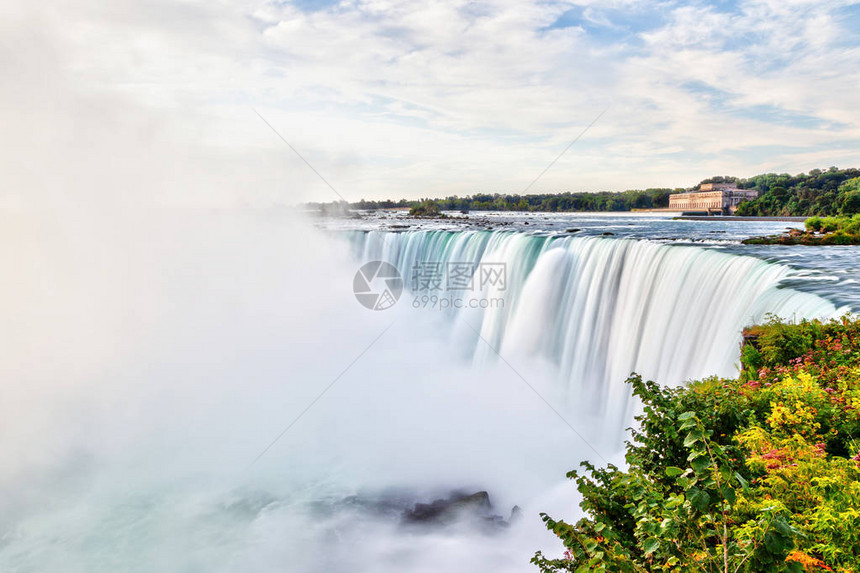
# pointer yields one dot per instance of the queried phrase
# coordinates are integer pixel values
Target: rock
(572, 230)
(608, 234)
(475, 507)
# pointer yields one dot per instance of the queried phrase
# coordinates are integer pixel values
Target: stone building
(711, 198)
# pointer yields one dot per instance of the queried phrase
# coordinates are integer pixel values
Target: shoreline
(736, 218)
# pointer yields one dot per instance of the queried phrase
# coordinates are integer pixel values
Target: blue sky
(391, 98)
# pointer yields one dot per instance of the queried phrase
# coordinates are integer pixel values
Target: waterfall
(598, 309)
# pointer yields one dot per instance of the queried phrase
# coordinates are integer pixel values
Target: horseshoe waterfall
(599, 308)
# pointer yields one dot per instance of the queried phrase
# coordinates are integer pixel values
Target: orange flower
(809, 563)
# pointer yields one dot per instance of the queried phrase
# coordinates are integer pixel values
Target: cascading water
(598, 309)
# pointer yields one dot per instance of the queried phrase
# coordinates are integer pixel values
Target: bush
(838, 238)
(852, 227)
(428, 208)
(814, 224)
(780, 342)
(830, 224)
(731, 475)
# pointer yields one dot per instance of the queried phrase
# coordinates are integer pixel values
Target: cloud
(154, 101)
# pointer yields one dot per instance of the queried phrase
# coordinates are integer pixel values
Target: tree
(849, 192)
(427, 208)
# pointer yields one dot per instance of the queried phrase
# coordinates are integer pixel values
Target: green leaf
(699, 498)
(689, 415)
(701, 464)
(692, 438)
(674, 502)
(728, 494)
(782, 527)
(651, 545)
(745, 485)
(774, 542)
(673, 471)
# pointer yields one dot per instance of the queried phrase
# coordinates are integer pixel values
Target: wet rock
(572, 230)
(475, 507)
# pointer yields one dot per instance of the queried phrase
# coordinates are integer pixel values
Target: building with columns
(711, 198)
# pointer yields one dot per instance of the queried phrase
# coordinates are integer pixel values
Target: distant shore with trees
(820, 192)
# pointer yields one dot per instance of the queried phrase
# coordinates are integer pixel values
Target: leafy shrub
(428, 208)
(838, 238)
(814, 224)
(831, 224)
(756, 474)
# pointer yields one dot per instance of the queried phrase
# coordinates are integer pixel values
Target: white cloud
(137, 101)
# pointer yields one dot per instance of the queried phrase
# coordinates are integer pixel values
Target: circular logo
(377, 285)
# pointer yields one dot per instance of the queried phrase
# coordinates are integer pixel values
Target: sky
(130, 102)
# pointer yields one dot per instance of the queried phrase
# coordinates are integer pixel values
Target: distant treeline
(819, 192)
(602, 201)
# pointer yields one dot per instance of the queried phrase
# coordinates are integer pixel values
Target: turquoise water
(831, 272)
